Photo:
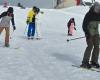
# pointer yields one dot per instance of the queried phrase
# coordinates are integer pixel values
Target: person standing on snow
(38, 34)
(90, 28)
(93, 1)
(6, 17)
(71, 26)
(31, 21)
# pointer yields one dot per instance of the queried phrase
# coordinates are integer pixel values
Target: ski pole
(75, 38)
(11, 34)
(25, 29)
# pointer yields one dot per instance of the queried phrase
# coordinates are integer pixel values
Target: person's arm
(85, 24)
(68, 24)
(13, 22)
(3, 14)
(74, 23)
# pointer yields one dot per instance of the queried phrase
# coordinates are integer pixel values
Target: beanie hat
(34, 7)
(10, 9)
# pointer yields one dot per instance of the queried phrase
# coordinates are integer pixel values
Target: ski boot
(7, 45)
(85, 65)
(28, 38)
(95, 65)
(69, 34)
(32, 37)
(38, 38)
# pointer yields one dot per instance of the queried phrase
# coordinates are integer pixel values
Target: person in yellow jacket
(31, 22)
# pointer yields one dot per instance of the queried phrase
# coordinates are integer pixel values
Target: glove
(14, 28)
(27, 22)
(42, 12)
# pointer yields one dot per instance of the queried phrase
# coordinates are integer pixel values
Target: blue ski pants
(31, 29)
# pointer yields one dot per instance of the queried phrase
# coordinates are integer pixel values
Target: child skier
(38, 34)
(5, 23)
(31, 21)
(71, 26)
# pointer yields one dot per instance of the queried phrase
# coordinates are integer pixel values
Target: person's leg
(95, 53)
(1, 29)
(7, 36)
(33, 30)
(87, 53)
(29, 30)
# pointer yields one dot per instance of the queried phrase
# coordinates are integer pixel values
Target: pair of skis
(91, 69)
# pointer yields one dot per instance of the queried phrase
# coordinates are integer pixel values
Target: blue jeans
(31, 29)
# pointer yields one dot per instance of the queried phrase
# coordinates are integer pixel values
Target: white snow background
(50, 58)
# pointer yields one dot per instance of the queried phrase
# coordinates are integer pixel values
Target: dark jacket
(90, 16)
(93, 28)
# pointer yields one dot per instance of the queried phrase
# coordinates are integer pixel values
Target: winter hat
(72, 18)
(34, 8)
(97, 7)
(38, 10)
(10, 9)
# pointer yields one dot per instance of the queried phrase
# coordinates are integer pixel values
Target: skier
(90, 28)
(5, 23)
(38, 37)
(20, 5)
(93, 1)
(5, 4)
(31, 21)
(71, 26)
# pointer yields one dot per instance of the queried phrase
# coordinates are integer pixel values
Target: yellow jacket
(31, 16)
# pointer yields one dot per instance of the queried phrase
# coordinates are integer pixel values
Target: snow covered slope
(49, 58)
